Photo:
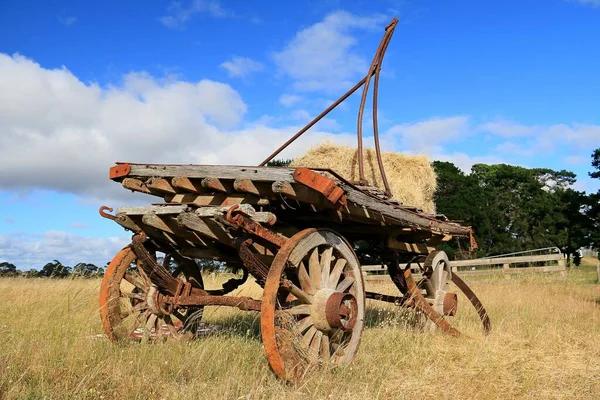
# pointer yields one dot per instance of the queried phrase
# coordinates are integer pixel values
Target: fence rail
(509, 266)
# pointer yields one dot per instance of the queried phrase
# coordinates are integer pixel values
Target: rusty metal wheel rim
(312, 266)
(128, 308)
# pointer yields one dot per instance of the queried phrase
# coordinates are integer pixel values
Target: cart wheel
(126, 299)
(313, 305)
(438, 275)
(437, 267)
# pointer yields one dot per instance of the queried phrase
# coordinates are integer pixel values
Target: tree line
(514, 208)
(54, 269)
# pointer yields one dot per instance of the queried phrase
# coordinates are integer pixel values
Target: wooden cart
(294, 231)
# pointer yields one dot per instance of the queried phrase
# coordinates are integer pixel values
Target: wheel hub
(333, 310)
(155, 305)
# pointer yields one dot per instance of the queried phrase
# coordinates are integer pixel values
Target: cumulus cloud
(61, 134)
(70, 20)
(323, 56)
(241, 67)
(290, 100)
(593, 3)
(28, 251)
(178, 14)
(428, 136)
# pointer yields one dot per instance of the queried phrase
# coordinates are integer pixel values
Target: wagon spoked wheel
(437, 276)
(127, 302)
(313, 305)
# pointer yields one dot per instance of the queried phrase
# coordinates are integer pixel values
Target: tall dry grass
(545, 344)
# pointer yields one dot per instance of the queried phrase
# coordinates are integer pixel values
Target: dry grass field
(545, 344)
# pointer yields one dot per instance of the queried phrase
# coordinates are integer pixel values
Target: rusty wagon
(294, 231)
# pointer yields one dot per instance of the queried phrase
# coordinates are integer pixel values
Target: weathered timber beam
(215, 199)
(135, 185)
(157, 222)
(205, 227)
(418, 248)
(172, 209)
(160, 185)
(262, 217)
(407, 217)
(206, 171)
(185, 183)
(214, 184)
(126, 222)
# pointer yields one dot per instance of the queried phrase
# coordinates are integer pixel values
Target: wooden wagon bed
(196, 197)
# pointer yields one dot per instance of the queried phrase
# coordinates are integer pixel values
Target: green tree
(594, 203)
(8, 269)
(279, 162)
(85, 270)
(55, 269)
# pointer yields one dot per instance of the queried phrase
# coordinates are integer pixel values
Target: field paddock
(545, 343)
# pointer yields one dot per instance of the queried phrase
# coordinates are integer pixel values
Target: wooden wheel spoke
(143, 273)
(301, 295)
(304, 279)
(314, 268)
(336, 273)
(315, 346)
(345, 284)
(325, 350)
(304, 323)
(326, 266)
(170, 326)
(308, 336)
(302, 309)
(136, 281)
(150, 322)
(132, 295)
(136, 323)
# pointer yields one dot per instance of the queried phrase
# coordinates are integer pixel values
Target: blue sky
(84, 84)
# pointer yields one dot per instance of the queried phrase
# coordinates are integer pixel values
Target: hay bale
(411, 177)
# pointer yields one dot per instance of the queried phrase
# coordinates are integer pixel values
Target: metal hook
(106, 215)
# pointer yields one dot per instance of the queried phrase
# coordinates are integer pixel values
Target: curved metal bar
(420, 303)
(483, 315)
(391, 27)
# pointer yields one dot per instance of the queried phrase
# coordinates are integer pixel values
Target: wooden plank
(205, 227)
(217, 199)
(174, 209)
(214, 184)
(135, 185)
(419, 248)
(186, 184)
(160, 185)
(404, 216)
(215, 171)
(506, 260)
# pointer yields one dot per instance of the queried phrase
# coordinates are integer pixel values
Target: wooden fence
(510, 265)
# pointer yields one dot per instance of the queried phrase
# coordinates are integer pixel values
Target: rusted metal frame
(397, 300)
(373, 70)
(157, 273)
(322, 184)
(483, 315)
(241, 302)
(241, 221)
(253, 264)
(314, 121)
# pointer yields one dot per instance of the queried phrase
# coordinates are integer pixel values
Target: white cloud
(241, 67)
(593, 3)
(323, 56)
(28, 251)
(179, 15)
(427, 136)
(59, 133)
(290, 100)
(67, 20)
